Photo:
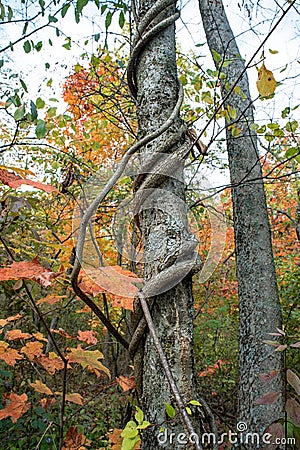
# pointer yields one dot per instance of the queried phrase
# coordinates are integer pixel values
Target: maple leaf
(28, 270)
(15, 406)
(50, 299)
(62, 332)
(15, 181)
(46, 402)
(266, 83)
(73, 398)
(111, 279)
(17, 334)
(126, 383)
(39, 336)
(32, 350)
(40, 387)
(87, 336)
(88, 358)
(51, 363)
(4, 322)
(9, 355)
(75, 440)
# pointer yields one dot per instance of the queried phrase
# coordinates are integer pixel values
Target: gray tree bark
(259, 305)
(164, 228)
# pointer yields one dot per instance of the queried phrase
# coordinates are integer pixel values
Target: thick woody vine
(150, 177)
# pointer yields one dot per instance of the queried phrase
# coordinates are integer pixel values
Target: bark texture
(259, 305)
(164, 227)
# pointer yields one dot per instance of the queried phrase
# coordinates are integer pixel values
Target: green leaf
(188, 410)
(68, 44)
(9, 14)
(1, 63)
(25, 28)
(47, 65)
(19, 113)
(216, 56)
(108, 20)
(57, 32)
(292, 126)
(170, 410)
(52, 19)
(236, 131)
(227, 63)
(285, 112)
(38, 46)
(23, 85)
(40, 103)
(52, 111)
(33, 111)
(40, 130)
(80, 5)
(292, 151)
(194, 403)
(273, 51)
(139, 415)
(145, 424)
(2, 12)
(64, 9)
(103, 8)
(121, 19)
(27, 47)
(129, 444)
(129, 433)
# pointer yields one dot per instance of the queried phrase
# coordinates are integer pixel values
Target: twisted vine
(159, 170)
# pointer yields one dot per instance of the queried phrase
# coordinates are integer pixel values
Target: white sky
(285, 40)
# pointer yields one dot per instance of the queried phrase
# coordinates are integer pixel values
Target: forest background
(65, 381)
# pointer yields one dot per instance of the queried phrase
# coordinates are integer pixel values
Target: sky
(249, 25)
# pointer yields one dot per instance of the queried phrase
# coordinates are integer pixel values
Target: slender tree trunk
(164, 228)
(260, 311)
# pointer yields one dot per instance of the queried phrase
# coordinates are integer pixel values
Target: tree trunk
(259, 305)
(164, 228)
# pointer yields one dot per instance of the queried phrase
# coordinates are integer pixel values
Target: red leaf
(293, 411)
(15, 181)
(28, 270)
(266, 377)
(277, 432)
(267, 399)
(293, 380)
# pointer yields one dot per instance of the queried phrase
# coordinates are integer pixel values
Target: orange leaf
(17, 334)
(73, 398)
(28, 270)
(87, 358)
(50, 299)
(4, 322)
(40, 387)
(9, 355)
(15, 406)
(32, 350)
(87, 336)
(63, 333)
(116, 439)
(75, 440)
(112, 279)
(126, 383)
(51, 363)
(39, 336)
(15, 181)
(46, 402)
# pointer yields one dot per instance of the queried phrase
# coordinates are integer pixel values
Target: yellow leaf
(266, 83)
